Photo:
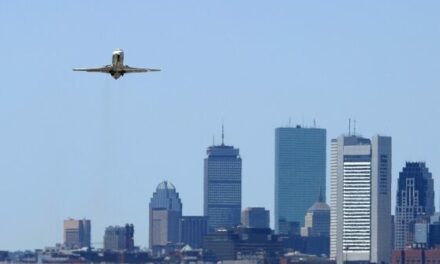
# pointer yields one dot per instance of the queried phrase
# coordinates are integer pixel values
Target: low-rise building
(242, 243)
(416, 255)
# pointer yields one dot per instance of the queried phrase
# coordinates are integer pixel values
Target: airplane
(117, 68)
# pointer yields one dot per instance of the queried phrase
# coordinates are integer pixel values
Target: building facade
(300, 172)
(360, 199)
(165, 213)
(255, 217)
(77, 233)
(192, 230)
(222, 187)
(119, 238)
(415, 199)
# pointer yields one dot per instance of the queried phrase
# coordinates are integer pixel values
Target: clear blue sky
(84, 145)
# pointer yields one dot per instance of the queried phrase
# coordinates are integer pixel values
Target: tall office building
(165, 213)
(222, 187)
(360, 199)
(255, 217)
(300, 158)
(415, 198)
(77, 233)
(119, 238)
(192, 230)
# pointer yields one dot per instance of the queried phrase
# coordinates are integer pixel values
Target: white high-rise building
(360, 199)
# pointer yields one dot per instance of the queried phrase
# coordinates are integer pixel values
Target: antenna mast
(349, 127)
(223, 135)
(354, 127)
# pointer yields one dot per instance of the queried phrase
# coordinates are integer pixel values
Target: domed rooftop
(165, 185)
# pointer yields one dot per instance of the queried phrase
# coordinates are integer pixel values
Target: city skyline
(158, 197)
(167, 191)
(85, 145)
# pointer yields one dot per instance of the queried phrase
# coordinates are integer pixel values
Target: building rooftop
(165, 185)
(319, 206)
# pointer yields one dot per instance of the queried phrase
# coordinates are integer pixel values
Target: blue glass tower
(300, 158)
(222, 187)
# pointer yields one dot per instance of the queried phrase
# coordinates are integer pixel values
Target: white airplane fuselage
(117, 64)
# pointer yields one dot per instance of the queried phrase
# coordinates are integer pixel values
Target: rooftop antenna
(314, 123)
(223, 135)
(354, 127)
(349, 126)
(290, 121)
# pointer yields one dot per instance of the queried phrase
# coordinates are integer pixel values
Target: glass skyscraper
(222, 187)
(415, 198)
(300, 158)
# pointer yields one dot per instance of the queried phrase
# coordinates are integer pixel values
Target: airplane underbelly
(116, 74)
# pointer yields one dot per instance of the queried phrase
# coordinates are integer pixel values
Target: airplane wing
(128, 69)
(105, 69)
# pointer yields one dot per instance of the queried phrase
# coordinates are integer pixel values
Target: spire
(349, 127)
(223, 135)
(320, 197)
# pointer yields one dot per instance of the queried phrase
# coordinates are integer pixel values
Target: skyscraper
(300, 158)
(165, 213)
(255, 217)
(119, 238)
(222, 187)
(77, 233)
(415, 198)
(360, 199)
